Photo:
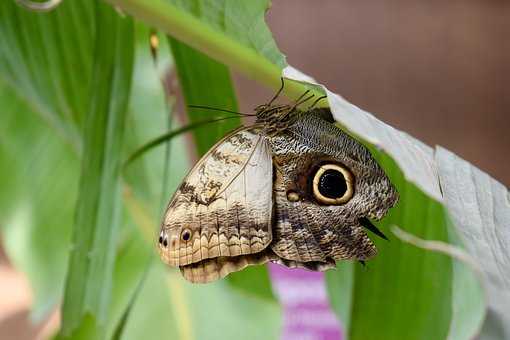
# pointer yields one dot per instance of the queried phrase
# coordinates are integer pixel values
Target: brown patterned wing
(222, 212)
(318, 220)
(307, 235)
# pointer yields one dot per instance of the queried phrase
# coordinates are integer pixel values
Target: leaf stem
(197, 34)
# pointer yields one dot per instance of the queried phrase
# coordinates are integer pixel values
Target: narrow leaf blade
(204, 82)
(89, 280)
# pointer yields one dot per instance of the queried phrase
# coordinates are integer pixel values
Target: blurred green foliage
(45, 131)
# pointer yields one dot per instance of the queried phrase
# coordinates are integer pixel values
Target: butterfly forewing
(224, 206)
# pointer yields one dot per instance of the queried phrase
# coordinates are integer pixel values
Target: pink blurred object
(306, 311)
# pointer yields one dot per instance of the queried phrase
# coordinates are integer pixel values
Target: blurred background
(438, 70)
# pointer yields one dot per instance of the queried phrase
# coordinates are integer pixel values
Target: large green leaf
(46, 58)
(231, 32)
(38, 222)
(89, 278)
(170, 308)
(480, 209)
(243, 21)
(205, 82)
(137, 294)
(35, 234)
(45, 71)
(131, 268)
(405, 292)
(154, 313)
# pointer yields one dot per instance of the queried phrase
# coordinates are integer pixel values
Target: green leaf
(45, 58)
(242, 21)
(231, 32)
(143, 193)
(89, 280)
(242, 314)
(405, 292)
(35, 234)
(204, 82)
(133, 262)
(43, 106)
(154, 312)
(169, 307)
(150, 118)
(480, 209)
(341, 288)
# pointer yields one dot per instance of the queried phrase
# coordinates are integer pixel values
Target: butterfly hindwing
(307, 230)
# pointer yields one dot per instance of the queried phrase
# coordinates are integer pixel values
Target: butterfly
(292, 188)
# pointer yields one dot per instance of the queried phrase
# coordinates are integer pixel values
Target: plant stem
(183, 26)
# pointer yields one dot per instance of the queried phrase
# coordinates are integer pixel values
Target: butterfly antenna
(315, 102)
(296, 103)
(277, 93)
(300, 100)
(304, 100)
(221, 110)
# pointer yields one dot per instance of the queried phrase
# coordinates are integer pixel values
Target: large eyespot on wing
(224, 206)
(313, 222)
(312, 235)
(333, 184)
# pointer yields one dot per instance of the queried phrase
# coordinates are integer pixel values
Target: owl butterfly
(292, 188)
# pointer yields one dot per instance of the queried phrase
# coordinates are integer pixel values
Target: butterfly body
(290, 189)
